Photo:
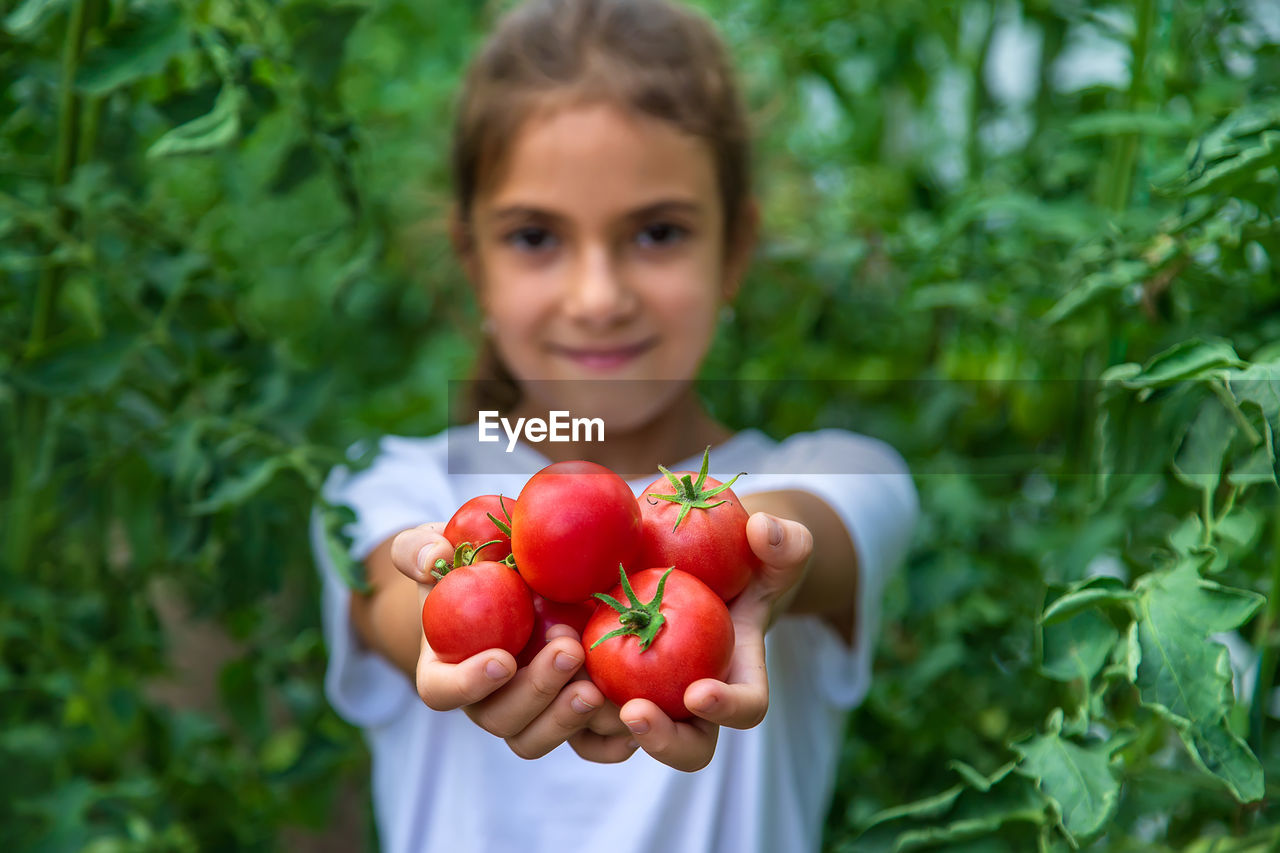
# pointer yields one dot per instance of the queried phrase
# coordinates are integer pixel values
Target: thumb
(783, 546)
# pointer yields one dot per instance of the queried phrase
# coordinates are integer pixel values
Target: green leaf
(928, 807)
(30, 17)
(140, 49)
(1085, 594)
(1126, 656)
(234, 491)
(83, 368)
(1204, 445)
(282, 750)
(1221, 753)
(1183, 674)
(1229, 173)
(218, 127)
(1258, 384)
(1240, 528)
(1256, 469)
(1124, 122)
(1077, 779)
(319, 32)
(333, 520)
(960, 813)
(1265, 840)
(1095, 286)
(1186, 360)
(1078, 646)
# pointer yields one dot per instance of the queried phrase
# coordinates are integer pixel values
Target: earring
(486, 326)
(727, 314)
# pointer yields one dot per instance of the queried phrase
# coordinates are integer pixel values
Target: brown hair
(653, 56)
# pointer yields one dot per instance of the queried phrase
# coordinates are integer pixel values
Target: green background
(1032, 243)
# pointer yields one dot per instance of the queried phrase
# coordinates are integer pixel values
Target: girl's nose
(598, 294)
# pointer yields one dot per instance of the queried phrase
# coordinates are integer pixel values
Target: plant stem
(32, 411)
(1125, 155)
(64, 162)
(979, 97)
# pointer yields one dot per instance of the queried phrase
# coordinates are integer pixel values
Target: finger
(533, 689)
(738, 706)
(603, 749)
(686, 746)
(608, 721)
(567, 715)
(784, 548)
(742, 698)
(445, 686)
(780, 543)
(415, 551)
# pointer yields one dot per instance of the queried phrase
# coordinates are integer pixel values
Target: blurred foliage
(1032, 244)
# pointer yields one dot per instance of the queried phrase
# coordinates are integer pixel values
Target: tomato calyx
(690, 494)
(638, 618)
(466, 555)
(504, 526)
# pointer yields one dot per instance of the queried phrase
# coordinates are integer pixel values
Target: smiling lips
(603, 358)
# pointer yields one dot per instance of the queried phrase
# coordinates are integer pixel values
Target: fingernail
(566, 662)
(495, 670)
(580, 705)
(423, 569)
(775, 530)
(704, 704)
(638, 727)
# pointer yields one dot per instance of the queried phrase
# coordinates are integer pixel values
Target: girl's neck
(682, 431)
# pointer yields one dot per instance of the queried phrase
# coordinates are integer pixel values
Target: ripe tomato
(485, 605)
(548, 613)
(472, 524)
(572, 525)
(700, 527)
(655, 650)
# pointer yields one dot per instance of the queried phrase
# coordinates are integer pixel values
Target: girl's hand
(740, 702)
(535, 708)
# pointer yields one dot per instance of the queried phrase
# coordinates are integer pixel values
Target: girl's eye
(661, 234)
(531, 239)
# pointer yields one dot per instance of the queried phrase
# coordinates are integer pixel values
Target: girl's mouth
(604, 358)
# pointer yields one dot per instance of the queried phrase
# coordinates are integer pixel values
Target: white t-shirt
(443, 785)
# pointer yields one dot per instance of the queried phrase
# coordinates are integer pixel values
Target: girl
(604, 216)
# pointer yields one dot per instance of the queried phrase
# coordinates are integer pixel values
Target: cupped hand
(534, 708)
(741, 700)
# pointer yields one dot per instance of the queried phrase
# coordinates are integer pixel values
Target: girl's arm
(385, 618)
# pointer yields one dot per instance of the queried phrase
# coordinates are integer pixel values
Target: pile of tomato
(644, 580)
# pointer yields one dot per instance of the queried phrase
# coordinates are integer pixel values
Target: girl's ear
(741, 249)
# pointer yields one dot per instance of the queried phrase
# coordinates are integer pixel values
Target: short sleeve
(393, 494)
(874, 496)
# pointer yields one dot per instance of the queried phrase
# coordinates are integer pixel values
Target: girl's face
(598, 254)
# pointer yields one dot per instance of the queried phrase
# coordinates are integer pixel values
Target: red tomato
(472, 608)
(702, 531)
(688, 631)
(549, 613)
(471, 523)
(573, 524)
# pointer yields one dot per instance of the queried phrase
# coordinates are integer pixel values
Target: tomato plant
(572, 524)
(476, 606)
(654, 650)
(482, 519)
(700, 527)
